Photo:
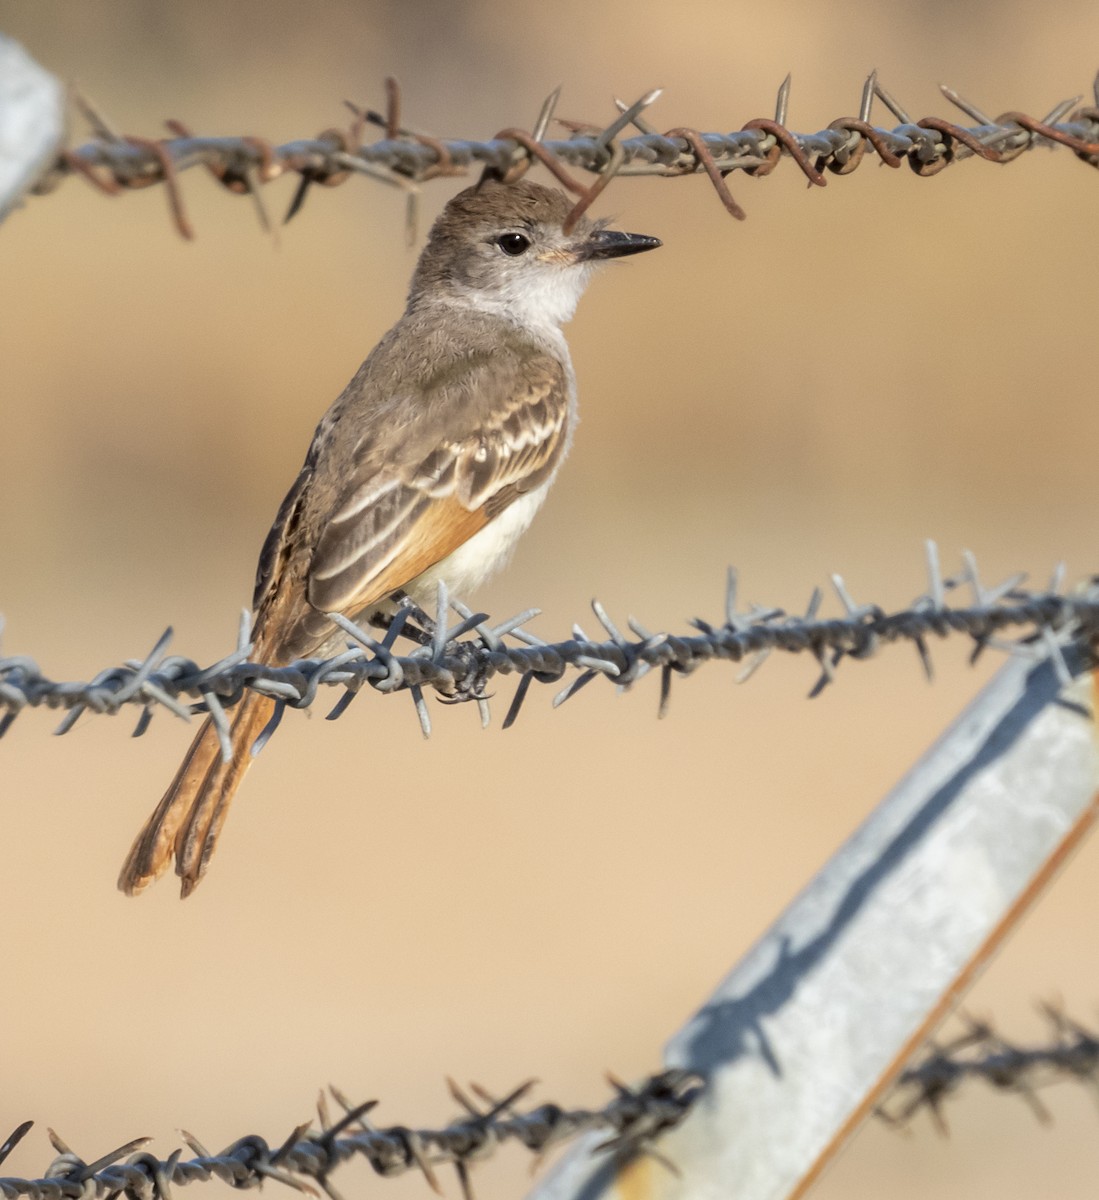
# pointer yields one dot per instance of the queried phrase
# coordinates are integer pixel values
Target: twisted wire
(982, 1054)
(459, 661)
(404, 158)
(632, 1120)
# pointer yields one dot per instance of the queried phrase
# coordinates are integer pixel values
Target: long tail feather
(188, 819)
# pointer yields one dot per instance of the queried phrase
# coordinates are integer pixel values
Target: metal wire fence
(458, 661)
(306, 1159)
(457, 657)
(981, 1054)
(113, 162)
(629, 1124)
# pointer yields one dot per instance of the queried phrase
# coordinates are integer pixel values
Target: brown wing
(397, 519)
(279, 541)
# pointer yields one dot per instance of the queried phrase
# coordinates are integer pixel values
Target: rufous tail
(188, 819)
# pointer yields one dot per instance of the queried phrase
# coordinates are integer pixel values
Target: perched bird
(429, 465)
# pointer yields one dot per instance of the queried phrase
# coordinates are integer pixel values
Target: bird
(429, 466)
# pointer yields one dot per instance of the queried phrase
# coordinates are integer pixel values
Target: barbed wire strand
(980, 1053)
(113, 162)
(632, 1120)
(459, 661)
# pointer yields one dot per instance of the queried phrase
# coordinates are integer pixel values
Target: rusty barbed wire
(113, 162)
(980, 1053)
(459, 661)
(632, 1120)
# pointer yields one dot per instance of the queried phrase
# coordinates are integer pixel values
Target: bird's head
(502, 247)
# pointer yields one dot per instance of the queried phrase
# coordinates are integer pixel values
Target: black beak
(609, 243)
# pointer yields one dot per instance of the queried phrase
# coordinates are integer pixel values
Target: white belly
(483, 554)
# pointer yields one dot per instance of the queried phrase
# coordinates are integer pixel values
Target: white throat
(543, 300)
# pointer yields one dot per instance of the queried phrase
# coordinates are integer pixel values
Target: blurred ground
(851, 371)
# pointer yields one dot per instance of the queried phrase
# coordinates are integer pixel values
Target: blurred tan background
(852, 370)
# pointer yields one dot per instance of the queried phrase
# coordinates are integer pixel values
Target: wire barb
(458, 661)
(632, 1120)
(979, 1053)
(113, 163)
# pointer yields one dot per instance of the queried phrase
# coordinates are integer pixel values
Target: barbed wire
(632, 1120)
(459, 661)
(980, 1053)
(113, 162)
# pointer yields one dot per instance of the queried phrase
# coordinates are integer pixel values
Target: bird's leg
(416, 625)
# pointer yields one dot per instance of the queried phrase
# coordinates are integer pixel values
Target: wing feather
(416, 456)
(346, 561)
(279, 542)
(417, 512)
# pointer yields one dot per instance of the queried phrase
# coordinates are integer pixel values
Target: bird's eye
(513, 243)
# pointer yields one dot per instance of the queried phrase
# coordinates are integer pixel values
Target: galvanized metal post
(31, 122)
(800, 1039)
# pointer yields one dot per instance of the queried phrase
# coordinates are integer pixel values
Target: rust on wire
(788, 142)
(1088, 149)
(234, 177)
(1088, 116)
(168, 177)
(392, 108)
(606, 138)
(955, 133)
(79, 166)
(328, 175)
(112, 162)
(589, 195)
(238, 177)
(444, 163)
(536, 150)
(705, 159)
